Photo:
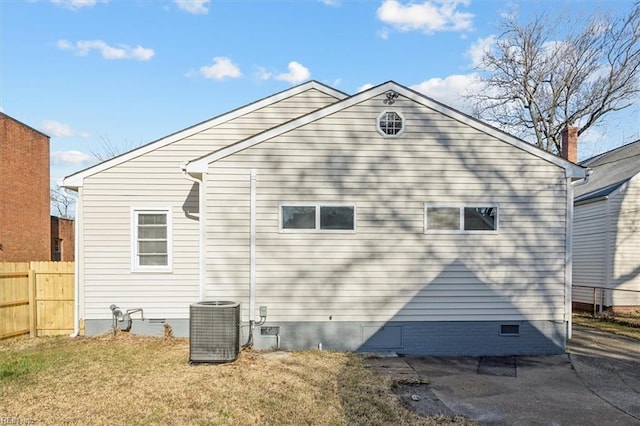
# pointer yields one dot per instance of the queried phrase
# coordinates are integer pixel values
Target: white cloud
(450, 90)
(333, 3)
(479, 48)
(263, 74)
(297, 73)
(364, 87)
(429, 16)
(64, 45)
(222, 68)
(71, 157)
(57, 129)
(76, 4)
(83, 47)
(384, 33)
(196, 7)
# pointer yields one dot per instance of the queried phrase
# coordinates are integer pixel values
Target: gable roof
(201, 164)
(76, 180)
(611, 170)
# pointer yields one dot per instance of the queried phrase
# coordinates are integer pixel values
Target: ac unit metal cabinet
(214, 331)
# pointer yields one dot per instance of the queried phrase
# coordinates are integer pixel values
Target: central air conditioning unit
(214, 331)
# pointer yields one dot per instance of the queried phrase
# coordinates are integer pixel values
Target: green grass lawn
(127, 379)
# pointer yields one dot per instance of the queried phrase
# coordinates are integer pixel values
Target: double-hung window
(452, 219)
(303, 217)
(151, 242)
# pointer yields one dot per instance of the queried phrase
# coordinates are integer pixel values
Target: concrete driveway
(609, 366)
(596, 383)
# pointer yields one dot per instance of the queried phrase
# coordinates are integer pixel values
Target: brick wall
(25, 228)
(62, 241)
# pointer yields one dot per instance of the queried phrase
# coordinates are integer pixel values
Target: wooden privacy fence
(36, 298)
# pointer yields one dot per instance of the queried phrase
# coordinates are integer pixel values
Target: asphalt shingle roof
(610, 171)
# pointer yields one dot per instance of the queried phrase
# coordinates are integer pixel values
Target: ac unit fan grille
(214, 331)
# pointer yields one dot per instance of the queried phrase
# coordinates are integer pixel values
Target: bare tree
(536, 83)
(109, 149)
(62, 202)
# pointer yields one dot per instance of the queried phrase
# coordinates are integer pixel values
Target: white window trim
(135, 266)
(379, 129)
(461, 208)
(317, 229)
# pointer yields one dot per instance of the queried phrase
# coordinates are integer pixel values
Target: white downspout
(201, 230)
(76, 268)
(568, 271)
(252, 259)
(252, 250)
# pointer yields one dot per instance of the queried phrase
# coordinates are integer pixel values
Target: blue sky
(132, 71)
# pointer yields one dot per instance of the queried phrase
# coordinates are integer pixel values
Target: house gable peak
(200, 165)
(76, 180)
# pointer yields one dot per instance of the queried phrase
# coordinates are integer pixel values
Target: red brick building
(25, 227)
(62, 242)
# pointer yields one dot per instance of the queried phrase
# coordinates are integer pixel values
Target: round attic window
(390, 123)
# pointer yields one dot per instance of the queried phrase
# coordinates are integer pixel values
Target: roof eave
(71, 182)
(575, 171)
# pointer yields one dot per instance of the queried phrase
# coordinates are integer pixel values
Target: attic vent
(214, 331)
(390, 123)
(509, 329)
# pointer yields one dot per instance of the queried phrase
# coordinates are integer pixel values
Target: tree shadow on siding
(354, 277)
(390, 201)
(625, 235)
(412, 330)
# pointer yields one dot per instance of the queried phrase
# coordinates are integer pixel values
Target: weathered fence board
(36, 298)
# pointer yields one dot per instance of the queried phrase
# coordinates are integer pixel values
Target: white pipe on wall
(201, 200)
(252, 250)
(76, 258)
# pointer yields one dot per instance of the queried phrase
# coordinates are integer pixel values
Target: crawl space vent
(214, 331)
(509, 329)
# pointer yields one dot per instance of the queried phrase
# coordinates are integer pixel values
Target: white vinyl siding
(625, 244)
(590, 224)
(606, 247)
(154, 180)
(390, 270)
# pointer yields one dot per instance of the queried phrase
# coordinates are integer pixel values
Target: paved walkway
(597, 383)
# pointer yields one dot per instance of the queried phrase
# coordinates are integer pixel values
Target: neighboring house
(62, 242)
(25, 232)
(607, 232)
(382, 221)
